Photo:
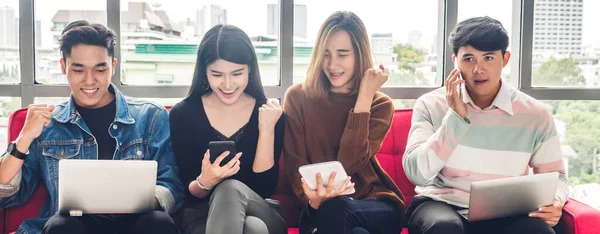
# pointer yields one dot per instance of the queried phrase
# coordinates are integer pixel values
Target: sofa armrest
(578, 218)
(1, 220)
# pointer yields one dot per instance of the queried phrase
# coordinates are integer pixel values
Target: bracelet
(200, 185)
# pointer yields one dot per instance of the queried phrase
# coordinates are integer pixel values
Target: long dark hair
(231, 44)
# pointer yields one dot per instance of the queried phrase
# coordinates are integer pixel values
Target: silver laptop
(519, 195)
(106, 186)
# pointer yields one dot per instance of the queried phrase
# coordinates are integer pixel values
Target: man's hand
(550, 214)
(453, 93)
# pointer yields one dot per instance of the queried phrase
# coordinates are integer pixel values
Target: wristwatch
(12, 150)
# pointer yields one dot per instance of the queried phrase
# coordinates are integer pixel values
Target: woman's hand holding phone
(213, 173)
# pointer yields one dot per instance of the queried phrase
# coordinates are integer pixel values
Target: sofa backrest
(14, 216)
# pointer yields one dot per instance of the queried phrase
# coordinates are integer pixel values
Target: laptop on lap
(505, 197)
(106, 186)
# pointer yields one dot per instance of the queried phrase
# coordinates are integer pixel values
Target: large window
(403, 36)
(9, 42)
(566, 44)
(50, 19)
(554, 44)
(160, 38)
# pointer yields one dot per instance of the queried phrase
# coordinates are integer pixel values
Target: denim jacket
(141, 131)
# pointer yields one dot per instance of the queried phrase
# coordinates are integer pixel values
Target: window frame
(521, 61)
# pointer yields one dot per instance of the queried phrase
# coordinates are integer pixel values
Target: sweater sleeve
(547, 156)
(264, 183)
(294, 144)
(428, 149)
(364, 134)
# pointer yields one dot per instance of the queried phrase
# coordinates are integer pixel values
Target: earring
(205, 85)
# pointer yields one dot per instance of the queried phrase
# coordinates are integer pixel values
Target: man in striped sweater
(478, 128)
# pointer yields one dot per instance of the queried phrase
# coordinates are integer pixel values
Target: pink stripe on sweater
(441, 149)
(557, 165)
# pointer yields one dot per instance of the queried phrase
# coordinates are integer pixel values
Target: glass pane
(577, 124)
(499, 10)
(50, 100)
(7, 106)
(566, 44)
(164, 101)
(10, 67)
(404, 103)
(409, 50)
(160, 46)
(51, 17)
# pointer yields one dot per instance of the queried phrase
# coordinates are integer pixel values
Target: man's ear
(506, 58)
(114, 66)
(63, 66)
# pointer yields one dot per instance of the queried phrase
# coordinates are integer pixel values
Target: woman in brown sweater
(337, 114)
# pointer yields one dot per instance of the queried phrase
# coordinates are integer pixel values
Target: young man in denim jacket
(98, 122)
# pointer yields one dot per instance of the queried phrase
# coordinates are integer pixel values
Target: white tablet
(309, 173)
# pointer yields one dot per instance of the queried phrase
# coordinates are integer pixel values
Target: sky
(399, 17)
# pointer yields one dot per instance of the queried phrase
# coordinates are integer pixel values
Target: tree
(582, 119)
(559, 72)
(408, 57)
(7, 106)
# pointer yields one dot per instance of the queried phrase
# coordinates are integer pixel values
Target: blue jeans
(345, 215)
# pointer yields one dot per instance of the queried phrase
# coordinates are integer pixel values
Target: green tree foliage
(558, 72)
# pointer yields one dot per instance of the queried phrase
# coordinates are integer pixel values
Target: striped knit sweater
(445, 153)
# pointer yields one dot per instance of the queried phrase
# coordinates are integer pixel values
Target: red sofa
(578, 218)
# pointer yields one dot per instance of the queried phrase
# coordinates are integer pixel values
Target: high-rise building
(9, 27)
(38, 33)
(273, 19)
(208, 17)
(300, 20)
(382, 42)
(557, 26)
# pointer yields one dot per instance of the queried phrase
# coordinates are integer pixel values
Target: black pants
(427, 216)
(343, 215)
(152, 222)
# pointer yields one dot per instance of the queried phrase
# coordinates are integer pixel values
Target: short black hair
(82, 32)
(482, 33)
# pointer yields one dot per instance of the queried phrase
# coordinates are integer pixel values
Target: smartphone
(217, 148)
(456, 67)
(461, 87)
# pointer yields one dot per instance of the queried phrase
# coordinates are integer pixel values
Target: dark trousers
(152, 222)
(343, 215)
(427, 216)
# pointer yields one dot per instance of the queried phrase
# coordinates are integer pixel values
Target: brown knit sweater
(319, 131)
